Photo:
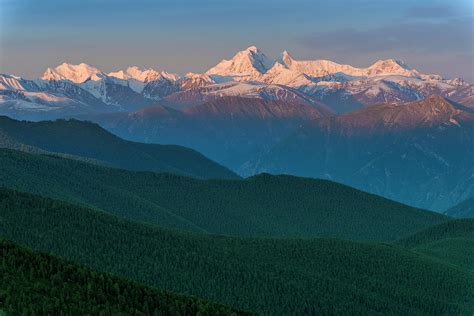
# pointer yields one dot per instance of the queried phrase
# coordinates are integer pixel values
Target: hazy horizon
(181, 36)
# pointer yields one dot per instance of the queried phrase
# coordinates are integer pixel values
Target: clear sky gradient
(193, 35)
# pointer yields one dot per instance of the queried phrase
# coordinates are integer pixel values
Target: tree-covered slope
(277, 276)
(263, 205)
(464, 209)
(89, 140)
(451, 241)
(35, 283)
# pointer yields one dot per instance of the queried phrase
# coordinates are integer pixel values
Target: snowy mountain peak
(392, 63)
(249, 62)
(256, 58)
(391, 66)
(253, 49)
(75, 73)
(136, 73)
(137, 77)
(193, 80)
(49, 74)
(169, 76)
(284, 58)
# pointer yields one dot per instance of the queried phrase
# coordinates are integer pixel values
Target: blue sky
(191, 35)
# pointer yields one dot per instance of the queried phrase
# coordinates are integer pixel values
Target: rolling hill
(451, 241)
(277, 276)
(88, 140)
(262, 205)
(38, 283)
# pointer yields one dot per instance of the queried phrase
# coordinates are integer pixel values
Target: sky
(193, 35)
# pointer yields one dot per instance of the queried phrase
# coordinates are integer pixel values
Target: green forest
(260, 206)
(85, 140)
(36, 283)
(451, 241)
(263, 275)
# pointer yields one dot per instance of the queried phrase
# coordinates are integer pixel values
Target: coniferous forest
(36, 283)
(261, 275)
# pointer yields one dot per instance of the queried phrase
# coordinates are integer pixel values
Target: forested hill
(35, 283)
(276, 276)
(89, 140)
(451, 241)
(264, 205)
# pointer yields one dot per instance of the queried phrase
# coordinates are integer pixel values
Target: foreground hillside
(278, 276)
(37, 283)
(263, 205)
(88, 140)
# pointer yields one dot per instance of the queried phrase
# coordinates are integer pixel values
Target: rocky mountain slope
(420, 153)
(227, 129)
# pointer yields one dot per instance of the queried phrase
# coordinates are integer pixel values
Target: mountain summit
(249, 62)
(135, 73)
(322, 67)
(147, 75)
(390, 67)
(75, 73)
(284, 58)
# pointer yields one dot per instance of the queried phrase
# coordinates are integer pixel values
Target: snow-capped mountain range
(71, 89)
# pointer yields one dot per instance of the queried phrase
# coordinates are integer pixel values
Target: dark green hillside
(451, 241)
(263, 205)
(35, 283)
(464, 209)
(278, 276)
(89, 140)
(82, 183)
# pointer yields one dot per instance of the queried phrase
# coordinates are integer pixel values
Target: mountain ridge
(340, 87)
(420, 153)
(260, 206)
(89, 140)
(465, 209)
(399, 117)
